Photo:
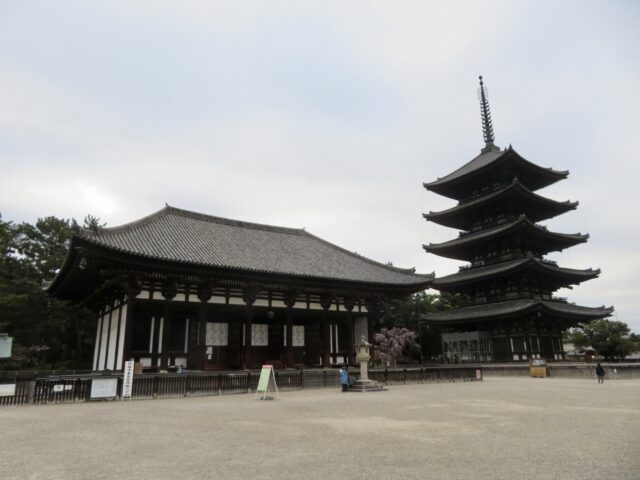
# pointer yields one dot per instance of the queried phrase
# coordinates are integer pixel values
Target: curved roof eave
(485, 160)
(422, 280)
(467, 276)
(514, 186)
(481, 235)
(190, 238)
(499, 310)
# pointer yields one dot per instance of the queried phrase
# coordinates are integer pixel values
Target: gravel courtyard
(501, 428)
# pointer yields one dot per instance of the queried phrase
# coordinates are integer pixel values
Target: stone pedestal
(363, 357)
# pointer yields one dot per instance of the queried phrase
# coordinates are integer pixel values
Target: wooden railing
(36, 389)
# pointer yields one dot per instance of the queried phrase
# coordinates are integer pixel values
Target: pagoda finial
(487, 126)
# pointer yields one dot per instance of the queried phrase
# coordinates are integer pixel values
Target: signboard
(127, 381)
(104, 387)
(58, 388)
(5, 346)
(478, 374)
(7, 390)
(266, 376)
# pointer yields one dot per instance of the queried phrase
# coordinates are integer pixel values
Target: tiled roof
(493, 311)
(478, 273)
(486, 158)
(536, 207)
(492, 233)
(182, 236)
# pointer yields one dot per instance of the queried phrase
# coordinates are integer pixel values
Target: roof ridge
(168, 209)
(233, 222)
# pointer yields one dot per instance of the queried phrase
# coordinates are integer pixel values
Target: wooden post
(349, 303)
(289, 301)
(132, 290)
(205, 292)
(164, 358)
(249, 295)
(325, 302)
(169, 291)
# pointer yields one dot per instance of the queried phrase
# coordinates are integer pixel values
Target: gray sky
(324, 115)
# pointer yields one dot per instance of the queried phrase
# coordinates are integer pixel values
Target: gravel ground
(501, 428)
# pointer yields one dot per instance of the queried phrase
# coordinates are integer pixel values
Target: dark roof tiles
(493, 311)
(187, 237)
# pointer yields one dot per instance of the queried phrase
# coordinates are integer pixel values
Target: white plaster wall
(113, 335)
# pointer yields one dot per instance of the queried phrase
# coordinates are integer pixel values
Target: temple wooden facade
(179, 288)
(513, 314)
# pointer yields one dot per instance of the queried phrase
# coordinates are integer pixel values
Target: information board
(267, 375)
(104, 387)
(7, 390)
(127, 381)
(5, 346)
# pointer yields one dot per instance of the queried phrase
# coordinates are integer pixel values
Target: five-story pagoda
(512, 315)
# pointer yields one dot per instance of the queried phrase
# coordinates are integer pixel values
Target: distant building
(512, 315)
(179, 288)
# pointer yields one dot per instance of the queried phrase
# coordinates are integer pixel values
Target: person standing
(600, 373)
(344, 378)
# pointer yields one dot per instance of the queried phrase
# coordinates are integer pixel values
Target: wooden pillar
(349, 304)
(289, 301)
(132, 290)
(325, 303)
(169, 291)
(249, 295)
(205, 292)
(166, 321)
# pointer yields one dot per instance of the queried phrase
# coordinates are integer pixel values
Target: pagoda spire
(487, 126)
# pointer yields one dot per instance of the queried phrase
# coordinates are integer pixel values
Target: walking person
(600, 373)
(344, 378)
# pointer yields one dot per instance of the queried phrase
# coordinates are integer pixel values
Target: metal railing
(31, 389)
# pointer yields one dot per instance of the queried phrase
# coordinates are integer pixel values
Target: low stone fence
(33, 388)
(613, 371)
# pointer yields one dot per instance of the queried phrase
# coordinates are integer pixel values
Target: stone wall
(568, 370)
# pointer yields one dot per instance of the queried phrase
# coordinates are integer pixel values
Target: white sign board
(58, 388)
(5, 346)
(127, 381)
(8, 390)
(104, 387)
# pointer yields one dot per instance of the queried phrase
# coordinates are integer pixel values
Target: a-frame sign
(267, 378)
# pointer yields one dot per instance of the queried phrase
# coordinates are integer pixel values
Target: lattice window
(217, 334)
(297, 335)
(259, 334)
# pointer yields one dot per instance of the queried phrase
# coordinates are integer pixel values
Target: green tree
(609, 338)
(44, 329)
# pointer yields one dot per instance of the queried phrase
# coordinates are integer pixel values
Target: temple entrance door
(215, 358)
